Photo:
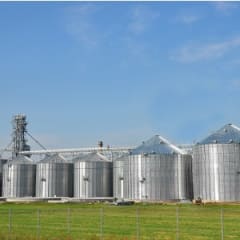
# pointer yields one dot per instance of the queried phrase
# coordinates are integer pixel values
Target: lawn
(72, 221)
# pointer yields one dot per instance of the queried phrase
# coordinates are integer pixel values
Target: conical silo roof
(93, 157)
(229, 133)
(55, 158)
(20, 159)
(122, 157)
(157, 145)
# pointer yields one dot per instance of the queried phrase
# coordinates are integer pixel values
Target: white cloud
(80, 25)
(141, 19)
(225, 7)
(192, 53)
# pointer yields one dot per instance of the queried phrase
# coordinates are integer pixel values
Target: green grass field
(74, 221)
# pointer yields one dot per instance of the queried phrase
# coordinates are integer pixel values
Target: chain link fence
(133, 223)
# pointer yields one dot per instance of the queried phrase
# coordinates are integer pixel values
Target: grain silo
(216, 166)
(118, 177)
(158, 171)
(19, 177)
(54, 177)
(93, 175)
(2, 162)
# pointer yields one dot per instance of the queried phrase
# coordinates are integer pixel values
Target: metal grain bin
(158, 171)
(216, 166)
(54, 177)
(19, 177)
(2, 161)
(93, 175)
(118, 177)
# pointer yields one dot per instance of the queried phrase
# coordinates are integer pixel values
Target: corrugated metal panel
(158, 170)
(157, 144)
(19, 178)
(93, 177)
(158, 177)
(216, 175)
(91, 157)
(54, 177)
(227, 134)
(118, 177)
(2, 162)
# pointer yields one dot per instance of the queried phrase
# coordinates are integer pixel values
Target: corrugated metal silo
(118, 177)
(54, 177)
(158, 171)
(19, 177)
(2, 161)
(216, 166)
(93, 176)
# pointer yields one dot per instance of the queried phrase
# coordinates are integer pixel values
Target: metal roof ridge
(102, 156)
(62, 157)
(181, 151)
(229, 133)
(236, 127)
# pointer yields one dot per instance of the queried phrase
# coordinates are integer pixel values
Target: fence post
(101, 222)
(9, 222)
(38, 223)
(137, 224)
(222, 223)
(68, 221)
(177, 223)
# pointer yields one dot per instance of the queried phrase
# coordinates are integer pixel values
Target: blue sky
(119, 71)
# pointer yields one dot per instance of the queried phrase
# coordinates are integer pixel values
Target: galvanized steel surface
(19, 178)
(216, 172)
(157, 145)
(93, 177)
(157, 177)
(54, 177)
(118, 177)
(229, 133)
(2, 161)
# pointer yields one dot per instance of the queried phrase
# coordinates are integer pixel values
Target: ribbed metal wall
(19, 179)
(2, 161)
(157, 177)
(54, 179)
(216, 172)
(118, 178)
(93, 179)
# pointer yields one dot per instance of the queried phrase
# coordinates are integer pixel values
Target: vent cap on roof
(157, 145)
(229, 133)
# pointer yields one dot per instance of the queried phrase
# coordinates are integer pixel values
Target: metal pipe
(77, 150)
